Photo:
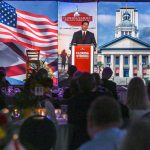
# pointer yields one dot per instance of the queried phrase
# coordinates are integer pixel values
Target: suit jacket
(89, 38)
(111, 86)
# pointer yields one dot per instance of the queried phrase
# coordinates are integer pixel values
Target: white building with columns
(127, 55)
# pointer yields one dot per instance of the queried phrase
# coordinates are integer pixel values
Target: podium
(83, 57)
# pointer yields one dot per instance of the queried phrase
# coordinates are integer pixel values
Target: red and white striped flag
(30, 30)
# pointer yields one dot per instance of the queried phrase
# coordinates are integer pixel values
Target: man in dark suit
(108, 84)
(84, 36)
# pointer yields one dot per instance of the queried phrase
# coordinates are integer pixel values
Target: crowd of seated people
(98, 119)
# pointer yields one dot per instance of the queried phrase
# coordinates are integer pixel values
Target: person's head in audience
(37, 133)
(86, 82)
(3, 81)
(138, 136)
(74, 86)
(136, 95)
(97, 78)
(2, 76)
(107, 73)
(2, 69)
(104, 113)
(77, 74)
(42, 73)
(71, 70)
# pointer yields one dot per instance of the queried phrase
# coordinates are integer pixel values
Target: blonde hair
(136, 95)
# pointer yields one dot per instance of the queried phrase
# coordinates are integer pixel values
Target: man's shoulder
(108, 82)
(115, 135)
(91, 33)
(95, 145)
(86, 146)
(77, 32)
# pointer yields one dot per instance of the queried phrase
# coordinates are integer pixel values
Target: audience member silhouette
(37, 133)
(66, 82)
(110, 85)
(137, 100)
(3, 81)
(104, 120)
(78, 106)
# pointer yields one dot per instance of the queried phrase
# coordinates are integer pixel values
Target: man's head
(107, 73)
(37, 133)
(104, 113)
(42, 73)
(71, 70)
(85, 25)
(86, 82)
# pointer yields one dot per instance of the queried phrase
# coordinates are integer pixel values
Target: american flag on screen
(31, 31)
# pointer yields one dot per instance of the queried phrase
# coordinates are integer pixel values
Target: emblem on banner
(76, 17)
(82, 49)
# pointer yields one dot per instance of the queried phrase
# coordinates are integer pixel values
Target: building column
(140, 66)
(149, 59)
(121, 66)
(103, 60)
(112, 64)
(131, 66)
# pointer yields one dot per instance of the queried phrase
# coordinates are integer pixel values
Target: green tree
(100, 65)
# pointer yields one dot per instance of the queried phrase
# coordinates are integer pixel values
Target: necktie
(83, 36)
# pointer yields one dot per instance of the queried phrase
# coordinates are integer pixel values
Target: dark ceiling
(105, 0)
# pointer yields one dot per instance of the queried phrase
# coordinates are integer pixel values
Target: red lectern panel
(82, 57)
